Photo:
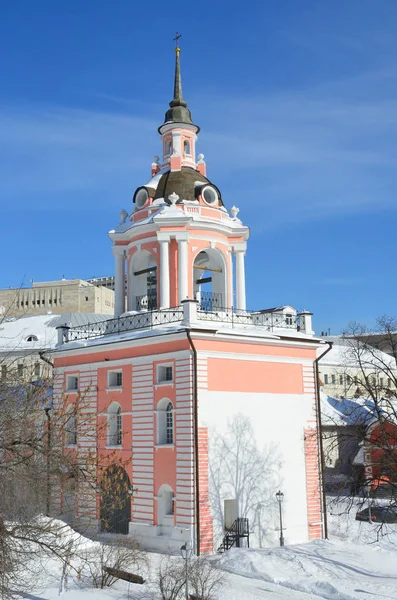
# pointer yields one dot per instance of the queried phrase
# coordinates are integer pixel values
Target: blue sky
(297, 104)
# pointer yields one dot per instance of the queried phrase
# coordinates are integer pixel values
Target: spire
(178, 111)
(178, 96)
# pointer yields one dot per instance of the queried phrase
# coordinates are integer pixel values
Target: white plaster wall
(278, 418)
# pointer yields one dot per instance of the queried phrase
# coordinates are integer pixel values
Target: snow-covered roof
(38, 332)
(343, 354)
(346, 411)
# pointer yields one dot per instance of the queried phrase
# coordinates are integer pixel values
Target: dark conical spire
(178, 96)
(178, 111)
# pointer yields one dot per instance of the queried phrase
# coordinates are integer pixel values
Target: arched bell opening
(115, 501)
(143, 282)
(209, 280)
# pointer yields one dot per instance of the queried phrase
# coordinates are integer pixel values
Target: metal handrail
(141, 320)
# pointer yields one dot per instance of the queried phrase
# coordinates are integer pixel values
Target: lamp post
(280, 498)
(185, 556)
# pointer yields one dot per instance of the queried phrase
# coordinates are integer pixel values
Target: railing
(146, 301)
(209, 301)
(269, 320)
(232, 536)
(145, 319)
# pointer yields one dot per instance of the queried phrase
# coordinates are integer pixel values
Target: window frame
(165, 424)
(71, 433)
(162, 368)
(72, 389)
(114, 428)
(115, 374)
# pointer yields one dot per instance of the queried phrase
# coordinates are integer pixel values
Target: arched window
(166, 507)
(169, 423)
(71, 429)
(186, 147)
(115, 425)
(165, 422)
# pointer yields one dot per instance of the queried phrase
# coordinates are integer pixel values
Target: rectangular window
(20, 370)
(348, 379)
(3, 371)
(115, 379)
(333, 379)
(355, 380)
(37, 369)
(72, 383)
(381, 382)
(325, 379)
(165, 374)
(340, 379)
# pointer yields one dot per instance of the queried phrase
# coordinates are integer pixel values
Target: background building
(64, 296)
(23, 341)
(340, 374)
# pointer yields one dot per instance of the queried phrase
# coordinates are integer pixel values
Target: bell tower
(180, 241)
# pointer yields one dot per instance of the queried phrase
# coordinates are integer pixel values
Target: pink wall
(230, 375)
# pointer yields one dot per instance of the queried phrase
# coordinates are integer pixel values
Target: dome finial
(178, 96)
(178, 111)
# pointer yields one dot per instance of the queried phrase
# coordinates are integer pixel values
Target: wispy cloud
(315, 153)
(63, 150)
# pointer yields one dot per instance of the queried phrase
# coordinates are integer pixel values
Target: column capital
(162, 236)
(182, 236)
(119, 251)
(239, 247)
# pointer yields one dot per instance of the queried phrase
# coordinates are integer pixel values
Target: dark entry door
(115, 501)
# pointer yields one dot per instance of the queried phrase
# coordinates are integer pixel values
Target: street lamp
(280, 498)
(185, 552)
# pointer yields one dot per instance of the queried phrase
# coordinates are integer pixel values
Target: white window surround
(72, 383)
(165, 423)
(115, 380)
(165, 374)
(171, 446)
(114, 426)
(71, 430)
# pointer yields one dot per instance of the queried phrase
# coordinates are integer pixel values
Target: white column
(119, 283)
(182, 269)
(164, 273)
(240, 280)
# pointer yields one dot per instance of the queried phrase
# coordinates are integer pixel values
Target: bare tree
(35, 471)
(171, 578)
(205, 580)
(240, 470)
(118, 555)
(361, 447)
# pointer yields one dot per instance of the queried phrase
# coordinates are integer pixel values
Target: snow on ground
(358, 562)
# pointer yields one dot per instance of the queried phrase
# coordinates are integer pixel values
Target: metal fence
(153, 318)
(269, 320)
(142, 320)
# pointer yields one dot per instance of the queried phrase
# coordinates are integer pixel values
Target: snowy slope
(352, 565)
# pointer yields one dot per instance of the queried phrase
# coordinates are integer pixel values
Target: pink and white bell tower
(179, 242)
(183, 364)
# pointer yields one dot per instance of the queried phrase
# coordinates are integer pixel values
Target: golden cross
(176, 39)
